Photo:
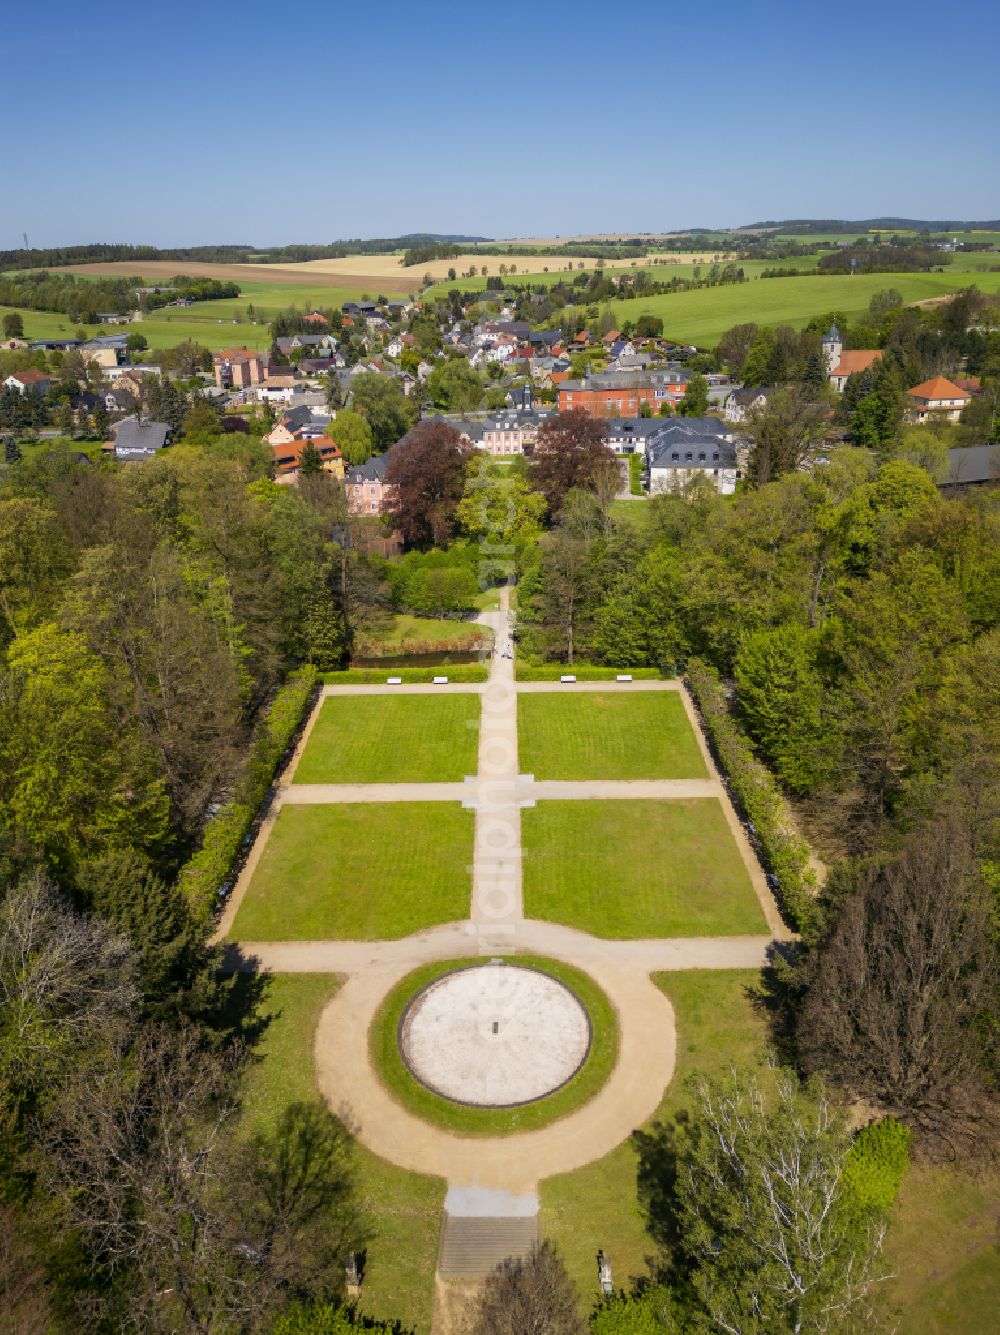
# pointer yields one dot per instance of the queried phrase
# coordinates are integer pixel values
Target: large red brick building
(611, 394)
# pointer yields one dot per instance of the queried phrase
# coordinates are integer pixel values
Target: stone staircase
(472, 1248)
(482, 1228)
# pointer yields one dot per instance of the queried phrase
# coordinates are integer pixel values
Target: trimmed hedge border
(582, 672)
(759, 797)
(207, 876)
(458, 672)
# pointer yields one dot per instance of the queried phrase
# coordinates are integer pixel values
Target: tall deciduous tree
(775, 1245)
(784, 429)
(898, 1007)
(353, 436)
(381, 402)
(427, 472)
(571, 451)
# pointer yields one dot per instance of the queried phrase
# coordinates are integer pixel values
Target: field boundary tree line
(787, 854)
(214, 864)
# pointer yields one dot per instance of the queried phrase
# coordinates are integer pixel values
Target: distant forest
(235, 254)
(867, 224)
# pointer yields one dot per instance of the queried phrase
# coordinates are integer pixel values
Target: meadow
(623, 870)
(702, 316)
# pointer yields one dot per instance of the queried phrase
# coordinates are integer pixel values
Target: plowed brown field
(298, 274)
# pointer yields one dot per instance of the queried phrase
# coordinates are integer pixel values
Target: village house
(318, 345)
(630, 435)
(297, 424)
(28, 382)
(238, 368)
(935, 400)
(686, 448)
(288, 456)
(509, 433)
(135, 438)
(741, 402)
(107, 350)
(367, 491)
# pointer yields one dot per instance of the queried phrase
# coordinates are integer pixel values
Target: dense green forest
(148, 618)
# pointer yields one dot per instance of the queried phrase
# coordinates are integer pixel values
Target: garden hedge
(759, 796)
(207, 875)
(373, 676)
(582, 672)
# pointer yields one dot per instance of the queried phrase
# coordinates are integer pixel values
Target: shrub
(207, 874)
(875, 1164)
(759, 797)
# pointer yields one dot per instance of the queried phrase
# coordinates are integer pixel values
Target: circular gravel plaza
(494, 1035)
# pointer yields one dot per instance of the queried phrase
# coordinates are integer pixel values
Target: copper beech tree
(572, 451)
(427, 470)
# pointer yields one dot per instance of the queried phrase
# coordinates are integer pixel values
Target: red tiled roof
(30, 377)
(855, 360)
(937, 388)
(286, 456)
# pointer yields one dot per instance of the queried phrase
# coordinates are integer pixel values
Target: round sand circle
(494, 1035)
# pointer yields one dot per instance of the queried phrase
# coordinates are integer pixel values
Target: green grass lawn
(599, 1206)
(403, 1210)
(364, 871)
(942, 1248)
(607, 735)
(624, 870)
(394, 1074)
(703, 315)
(386, 739)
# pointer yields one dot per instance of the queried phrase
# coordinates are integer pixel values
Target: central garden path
(496, 925)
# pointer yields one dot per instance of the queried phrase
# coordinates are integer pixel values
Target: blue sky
(264, 123)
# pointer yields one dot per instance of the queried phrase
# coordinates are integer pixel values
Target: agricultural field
(361, 871)
(354, 273)
(607, 735)
(401, 739)
(629, 869)
(702, 316)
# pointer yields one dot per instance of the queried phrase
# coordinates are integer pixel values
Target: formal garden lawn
(359, 871)
(607, 735)
(630, 869)
(402, 1210)
(392, 739)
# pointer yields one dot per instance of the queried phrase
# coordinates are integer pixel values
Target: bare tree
(67, 983)
(206, 1230)
(896, 1008)
(531, 1296)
